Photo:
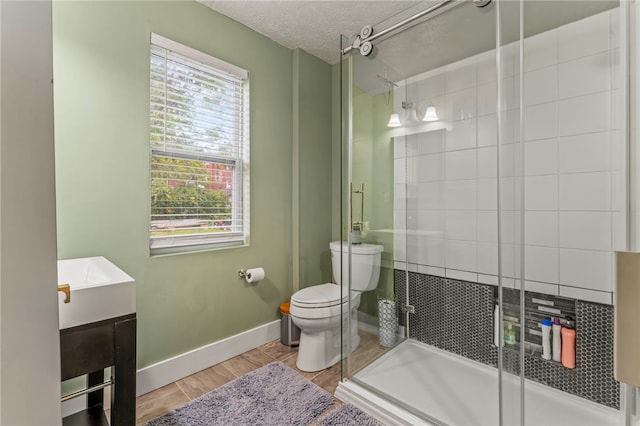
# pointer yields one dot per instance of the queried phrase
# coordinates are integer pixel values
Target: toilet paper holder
(252, 275)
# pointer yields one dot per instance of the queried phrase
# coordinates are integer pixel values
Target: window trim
(199, 56)
(179, 244)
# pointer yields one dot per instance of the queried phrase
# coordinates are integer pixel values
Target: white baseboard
(168, 371)
(74, 405)
(368, 323)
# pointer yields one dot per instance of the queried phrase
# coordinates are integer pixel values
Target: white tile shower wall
(446, 174)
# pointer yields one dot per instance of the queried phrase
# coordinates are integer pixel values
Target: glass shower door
(424, 141)
(573, 207)
(367, 199)
(490, 147)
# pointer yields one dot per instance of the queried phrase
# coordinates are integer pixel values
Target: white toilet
(317, 310)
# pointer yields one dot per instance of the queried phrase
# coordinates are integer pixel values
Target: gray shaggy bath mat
(271, 395)
(348, 415)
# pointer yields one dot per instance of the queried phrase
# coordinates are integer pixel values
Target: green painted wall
(312, 140)
(373, 166)
(340, 104)
(336, 153)
(101, 72)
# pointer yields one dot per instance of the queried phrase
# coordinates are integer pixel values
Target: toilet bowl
(320, 310)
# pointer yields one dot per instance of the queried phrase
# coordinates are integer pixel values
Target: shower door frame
(630, 397)
(347, 61)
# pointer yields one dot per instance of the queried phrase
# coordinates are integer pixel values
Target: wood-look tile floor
(160, 401)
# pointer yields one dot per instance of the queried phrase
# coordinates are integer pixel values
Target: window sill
(200, 248)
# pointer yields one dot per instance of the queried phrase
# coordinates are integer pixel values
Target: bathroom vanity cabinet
(90, 348)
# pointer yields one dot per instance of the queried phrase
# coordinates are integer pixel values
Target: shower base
(415, 383)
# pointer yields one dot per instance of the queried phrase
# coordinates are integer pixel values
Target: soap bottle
(568, 347)
(496, 325)
(356, 234)
(556, 345)
(545, 325)
(509, 336)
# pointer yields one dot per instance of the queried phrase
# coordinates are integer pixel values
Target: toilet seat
(321, 301)
(320, 296)
(318, 313)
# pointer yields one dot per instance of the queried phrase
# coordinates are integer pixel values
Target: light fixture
(394, 121)
(411, 114)
(430, 114)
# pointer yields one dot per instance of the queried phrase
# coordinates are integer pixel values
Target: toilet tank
(365, 261)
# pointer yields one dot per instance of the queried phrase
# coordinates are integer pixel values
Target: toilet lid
(319, 296)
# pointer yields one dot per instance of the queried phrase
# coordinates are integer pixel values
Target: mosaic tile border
(457, 316)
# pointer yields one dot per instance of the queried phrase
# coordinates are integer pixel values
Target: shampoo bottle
(496, 326)
(545, 325)
(556, 344)
(568, 347)
(509, 336)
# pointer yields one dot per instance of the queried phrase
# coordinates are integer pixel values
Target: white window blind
(197, 139)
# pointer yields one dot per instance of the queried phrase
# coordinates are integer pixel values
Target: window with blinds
(198, 139)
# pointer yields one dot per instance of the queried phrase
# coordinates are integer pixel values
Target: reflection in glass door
(425, 139)
(489, 148)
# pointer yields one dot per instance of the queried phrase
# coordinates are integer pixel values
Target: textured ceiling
(314, 26)
(460, 31)
(456, 31)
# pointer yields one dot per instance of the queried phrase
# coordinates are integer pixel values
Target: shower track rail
(400, 24)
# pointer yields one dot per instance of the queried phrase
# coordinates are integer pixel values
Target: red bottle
(568, 347)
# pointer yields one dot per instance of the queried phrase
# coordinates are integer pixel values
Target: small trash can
(289, 332)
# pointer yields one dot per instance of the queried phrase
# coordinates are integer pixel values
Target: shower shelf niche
(537, 307)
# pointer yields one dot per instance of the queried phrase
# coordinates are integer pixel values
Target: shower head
(481, 3)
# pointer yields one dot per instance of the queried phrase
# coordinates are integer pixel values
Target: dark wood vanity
(90, 348)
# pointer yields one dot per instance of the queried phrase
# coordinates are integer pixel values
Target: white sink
(99, 290)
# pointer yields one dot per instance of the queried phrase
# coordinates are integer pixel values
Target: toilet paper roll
(254, 274)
